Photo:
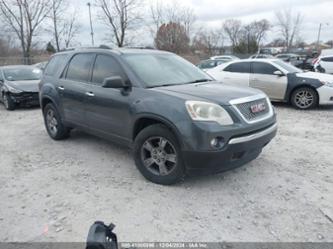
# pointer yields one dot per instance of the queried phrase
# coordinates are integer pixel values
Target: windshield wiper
(199, 81)
(178, 84)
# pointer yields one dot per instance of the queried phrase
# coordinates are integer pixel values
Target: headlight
(327, 83)
(13, 90)
(205, 111)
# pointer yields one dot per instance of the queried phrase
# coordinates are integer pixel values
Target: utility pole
(91, 26)
(318, 40)
(319, 33)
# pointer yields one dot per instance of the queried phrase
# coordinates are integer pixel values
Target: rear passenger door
(108, 108)
(237, 73)
(263, 78)
(73, 90)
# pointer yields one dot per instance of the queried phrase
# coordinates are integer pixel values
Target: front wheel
(53, 123)
(304, 98)
(158, 156)
(8, 102)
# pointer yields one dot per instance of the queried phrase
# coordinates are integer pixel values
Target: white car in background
(224, 57)
(279, 80)
(324, 64)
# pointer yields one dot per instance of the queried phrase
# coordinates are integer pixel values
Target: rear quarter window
(54, 64)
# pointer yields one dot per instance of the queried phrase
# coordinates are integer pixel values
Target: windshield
(18, 74)
(164, 69)
(288, 67)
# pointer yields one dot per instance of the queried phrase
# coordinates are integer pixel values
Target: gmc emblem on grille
(258, 108)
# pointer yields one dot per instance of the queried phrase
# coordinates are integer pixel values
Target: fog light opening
(217, 143)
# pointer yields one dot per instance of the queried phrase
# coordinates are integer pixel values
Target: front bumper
(325, 95)
(238, 151)
(25, 98)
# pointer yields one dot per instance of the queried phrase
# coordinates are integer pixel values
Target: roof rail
(77, 48)
(140, 47)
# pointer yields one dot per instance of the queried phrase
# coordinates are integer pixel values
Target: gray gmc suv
(176, 118)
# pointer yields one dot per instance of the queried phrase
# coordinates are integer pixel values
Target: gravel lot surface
(53, 191)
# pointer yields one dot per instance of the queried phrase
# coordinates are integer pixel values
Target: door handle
(61, 88)
(90, 94)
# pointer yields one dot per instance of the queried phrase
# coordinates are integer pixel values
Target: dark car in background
(19, 86)
(175, 117)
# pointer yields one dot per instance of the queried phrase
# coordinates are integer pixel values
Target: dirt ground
(53, 191)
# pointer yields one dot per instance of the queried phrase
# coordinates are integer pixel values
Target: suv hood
(25, 85)
(211, 91)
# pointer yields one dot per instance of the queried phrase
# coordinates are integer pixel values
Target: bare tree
(289, 25)
(120, 15)
(209, 42)
(24, 17)
(232, 28)
(70, 29)
(64, 24)
(172, 37)
(259, 30)
(162, 13)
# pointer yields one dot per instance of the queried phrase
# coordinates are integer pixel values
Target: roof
(256, 59)
(118, 51)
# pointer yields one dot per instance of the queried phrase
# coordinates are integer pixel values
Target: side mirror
(114, 82)
(278, 73)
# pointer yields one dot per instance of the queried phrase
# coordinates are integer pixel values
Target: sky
(211, 14)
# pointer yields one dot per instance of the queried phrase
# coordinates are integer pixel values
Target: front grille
(27, 97)
(246, 109)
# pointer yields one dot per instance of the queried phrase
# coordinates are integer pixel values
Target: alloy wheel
(52, 122)
(159, 156)
(304, 99)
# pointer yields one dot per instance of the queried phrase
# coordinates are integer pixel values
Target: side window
(105, 66)
(327, 59)
(54, 64)
(1, 77)
(79, 67)
(239, 67)
(263, 68)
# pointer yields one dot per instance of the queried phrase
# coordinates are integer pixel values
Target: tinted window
(79, 67)
(240, 67)
(105, 66)
(327, 59)
(54, 64)
(263, 68)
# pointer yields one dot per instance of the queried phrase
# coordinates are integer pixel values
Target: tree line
(172, 27)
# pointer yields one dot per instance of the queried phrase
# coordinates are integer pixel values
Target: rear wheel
(304, 98)
(157, 155)
(8, 102)
(53, 123)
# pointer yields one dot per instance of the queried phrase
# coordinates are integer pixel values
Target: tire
(304, 98)
(8, 102)
(157, 155)
(53, 123)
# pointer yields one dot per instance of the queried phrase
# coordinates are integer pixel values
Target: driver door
(263, 78)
